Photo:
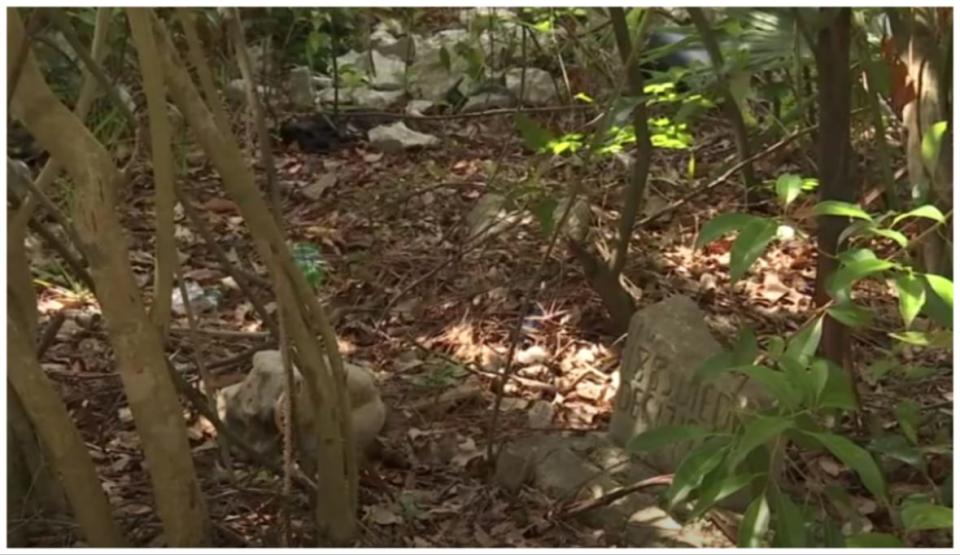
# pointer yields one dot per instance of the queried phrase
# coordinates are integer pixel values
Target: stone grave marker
(666, 343)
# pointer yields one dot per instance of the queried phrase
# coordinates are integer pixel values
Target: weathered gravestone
(666, 343)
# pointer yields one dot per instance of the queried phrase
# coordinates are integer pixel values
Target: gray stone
(578, 222)
(301, 88)
(385, 43)
(540, 415)
(377, 100)
(489, 217)
(488, 101)
(321, 81)
(357, 60)
(389, 73)
(419, 107)
(666, 343)
(396, 137)
(236, 91)
(582, 468)
(538, 86)
(343, 95)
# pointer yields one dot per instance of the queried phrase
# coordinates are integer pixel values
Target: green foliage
(806, 391)
(308, 258)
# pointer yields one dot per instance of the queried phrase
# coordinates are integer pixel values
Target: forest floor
(432, 319)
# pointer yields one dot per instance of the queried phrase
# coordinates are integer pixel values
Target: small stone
(540, 414)
(397, 137)
(535, 354)
(538, 86)
(488, 101)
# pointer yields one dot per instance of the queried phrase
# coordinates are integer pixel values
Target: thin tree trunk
(195, 52)
(71, 460)
(136, 342)
(163, 178)
(730, 106)
(633, 193)
(835, 163)
(337, 477)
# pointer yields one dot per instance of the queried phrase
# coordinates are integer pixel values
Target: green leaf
(857, 458)
(584, 97)
(694, 468)
(839, 284)
(445, 61)
(663, 436)
(850, 314)
(927, 211)
(775, 347)
(873, 540)
(898, 448)
(755, 523)
(942, 286)
(745, 349)
(839, 392)
(850, 256)
(819, 376)
(534, 137)
(788, 187)
(912, 294)
(908, 415)
(804, 343)
(715, 365)
(899, 238)
(724, 486)
(775, 382)
(788, 525)
(838, 208)
(882, 367)
(930, 146)
(937, 339)
(544, 210)
(757, 432)
(721, 225)
(926, 516)
(749, 245)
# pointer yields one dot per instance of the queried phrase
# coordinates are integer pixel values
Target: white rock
(538, 85)
(397, 137)
(346, 96)
(357, 60)
(535, 354)
(419, 107)
(384, 42)
(488, 101)
(378, 100)
(489, 216)
(321, 81)
(389, 73)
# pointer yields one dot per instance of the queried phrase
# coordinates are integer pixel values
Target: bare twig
(50, 333)
(615, 494)
(60, 21)
(724, 176)
(16, 70)
(472, 115)
(240, 277)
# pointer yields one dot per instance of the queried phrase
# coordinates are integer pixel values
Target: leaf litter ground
(434, 319)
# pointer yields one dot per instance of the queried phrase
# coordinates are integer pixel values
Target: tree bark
(71, 460)
(136, 342)
(835, 159)
(163, 178)
(321, 364)
(730, 106)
